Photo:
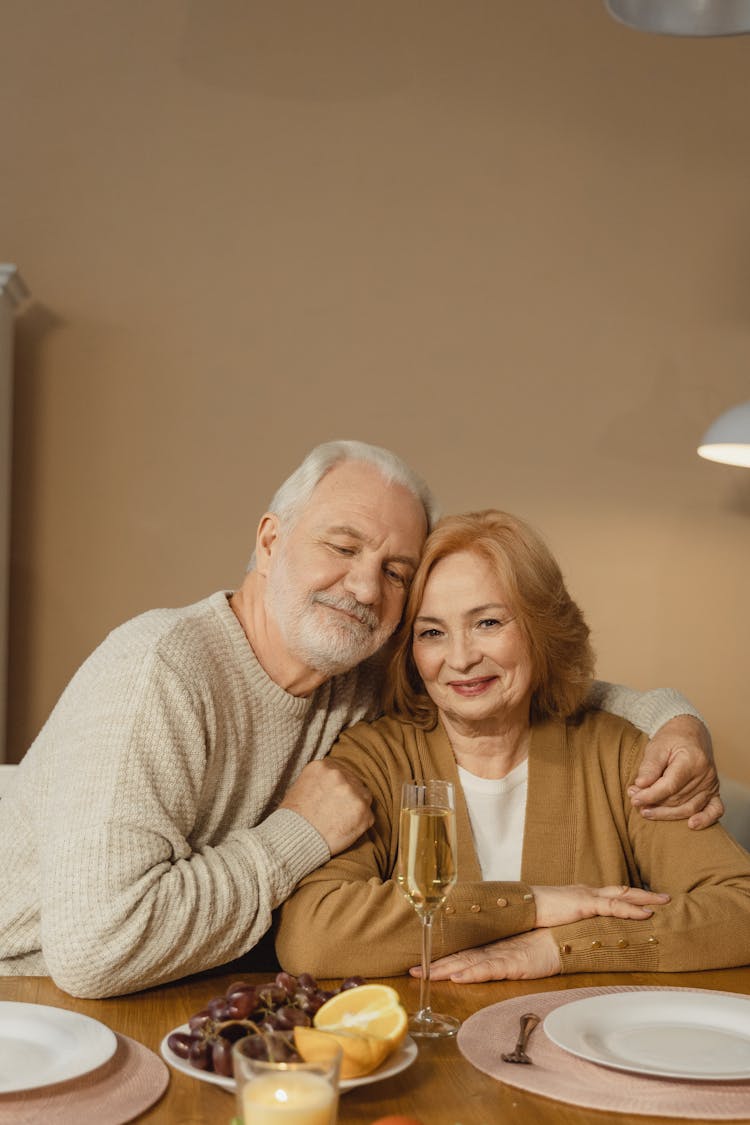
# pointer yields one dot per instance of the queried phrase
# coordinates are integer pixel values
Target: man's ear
(266, 541)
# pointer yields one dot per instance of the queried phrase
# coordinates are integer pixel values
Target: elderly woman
(490, 672)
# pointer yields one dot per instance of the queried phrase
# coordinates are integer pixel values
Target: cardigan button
(475, 908)
(596, 944)
(502, 902)
(623, 943)
(565, 948)
(449, 910)
(528, 898)
(653, 940)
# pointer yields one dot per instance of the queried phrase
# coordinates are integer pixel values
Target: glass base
(431, 1025)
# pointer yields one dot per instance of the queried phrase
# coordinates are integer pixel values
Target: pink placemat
(557, 1074)
(131, 1081)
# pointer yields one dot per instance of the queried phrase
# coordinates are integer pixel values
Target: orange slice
(373, 1009)
(361, 1054)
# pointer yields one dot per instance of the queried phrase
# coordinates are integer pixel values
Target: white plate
(394, 1064)
(41, 1045)
(685, 1034)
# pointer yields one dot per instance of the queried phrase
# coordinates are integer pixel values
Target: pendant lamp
(728, 439)
(683, 17)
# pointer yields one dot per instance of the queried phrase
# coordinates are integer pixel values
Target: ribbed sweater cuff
(298, 847)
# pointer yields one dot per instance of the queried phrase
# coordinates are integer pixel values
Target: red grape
(222, 1057)
(180, 1043)
(262, 1015)
(200, 1019)
(287, 982)
(241, 1004)
(351, 982)
(201, 1052)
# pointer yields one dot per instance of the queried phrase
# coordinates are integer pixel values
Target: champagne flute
(426, 871)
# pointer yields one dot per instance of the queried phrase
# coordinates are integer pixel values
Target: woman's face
(470, 652)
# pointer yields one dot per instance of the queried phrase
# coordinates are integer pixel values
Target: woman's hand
(523, 957)
(556, 906)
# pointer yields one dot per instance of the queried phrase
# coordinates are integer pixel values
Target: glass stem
(425, 1012)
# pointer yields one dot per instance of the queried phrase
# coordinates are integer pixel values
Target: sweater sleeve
(349, 916)
(648, 710)
(126, 901)
(704, 925)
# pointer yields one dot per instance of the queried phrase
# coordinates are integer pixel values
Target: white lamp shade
(728, 440)
(683, 17)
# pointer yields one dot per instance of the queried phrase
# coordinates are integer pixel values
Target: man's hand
(677, 778)
(523, 957)
(556, 906)
(335, 802)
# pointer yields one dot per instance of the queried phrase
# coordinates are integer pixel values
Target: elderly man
(176, 794)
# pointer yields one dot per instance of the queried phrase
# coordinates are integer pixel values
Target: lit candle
(289, 1099)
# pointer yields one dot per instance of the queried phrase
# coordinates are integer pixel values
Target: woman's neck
(489, 751)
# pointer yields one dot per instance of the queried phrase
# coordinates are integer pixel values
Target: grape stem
(269, 1037)
(217, 1028)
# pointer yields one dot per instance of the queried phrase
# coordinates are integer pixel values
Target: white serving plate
(700, 1035)
(40, 1045)
(394, 1064)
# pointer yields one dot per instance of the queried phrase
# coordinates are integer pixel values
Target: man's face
(337, 579)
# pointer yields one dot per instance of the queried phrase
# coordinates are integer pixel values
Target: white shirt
(497, 811)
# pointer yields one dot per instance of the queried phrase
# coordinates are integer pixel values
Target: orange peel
(360, 1053)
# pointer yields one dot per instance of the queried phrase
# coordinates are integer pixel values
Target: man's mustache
(350, 605)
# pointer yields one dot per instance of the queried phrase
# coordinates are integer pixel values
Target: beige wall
(509, 240)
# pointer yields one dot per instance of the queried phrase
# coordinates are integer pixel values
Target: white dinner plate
(684, 1034)
(394, 1064)
(40, 1045)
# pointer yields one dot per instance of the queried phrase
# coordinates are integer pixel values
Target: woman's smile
(472, 687)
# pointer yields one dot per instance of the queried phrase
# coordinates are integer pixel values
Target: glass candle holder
(286, 1093)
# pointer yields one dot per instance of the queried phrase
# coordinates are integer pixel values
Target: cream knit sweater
(142, 840)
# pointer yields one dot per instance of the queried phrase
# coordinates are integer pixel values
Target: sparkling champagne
(427, 856)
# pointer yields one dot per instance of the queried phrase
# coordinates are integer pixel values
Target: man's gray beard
(332, 649)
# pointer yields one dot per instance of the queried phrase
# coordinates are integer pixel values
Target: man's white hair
(290, 500)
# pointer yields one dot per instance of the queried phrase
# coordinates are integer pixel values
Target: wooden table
(440, 1088)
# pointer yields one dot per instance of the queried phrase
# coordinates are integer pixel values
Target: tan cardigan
(350, 917)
